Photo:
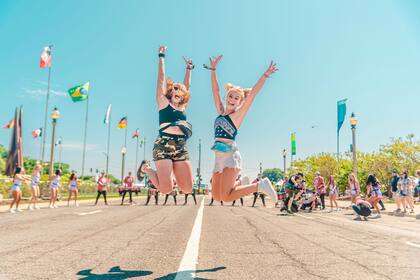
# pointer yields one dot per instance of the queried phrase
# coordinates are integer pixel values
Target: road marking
(306, 217)
(412, 244)
(385, 228)
(89, 213)
(190, 258)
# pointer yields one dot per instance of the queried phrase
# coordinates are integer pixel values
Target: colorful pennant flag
(45, 57)
(79, 92)
(341, 113)
(10, 124)
(58, 142)
(37, 133)
(294, 144)
(107, 114)
(122, 123)
(136, 133)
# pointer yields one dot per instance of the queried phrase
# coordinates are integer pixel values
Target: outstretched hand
(187, 61)
(215, 61)
(162, 49)
(272, 68)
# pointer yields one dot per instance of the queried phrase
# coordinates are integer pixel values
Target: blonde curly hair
(170, 84)
(244, 92)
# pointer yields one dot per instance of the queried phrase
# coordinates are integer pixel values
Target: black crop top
(169, 115)
(225, 128)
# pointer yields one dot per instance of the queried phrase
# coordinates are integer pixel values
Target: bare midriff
(172, 129)
(227, 141)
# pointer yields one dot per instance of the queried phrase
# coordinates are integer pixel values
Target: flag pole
(40, 147)
(144, 148)
(137, 156)
(108, 144)
(124, 151)
(59, 153)
(44, 132)
(85, 136)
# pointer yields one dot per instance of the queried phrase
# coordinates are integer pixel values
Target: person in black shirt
(394, 188)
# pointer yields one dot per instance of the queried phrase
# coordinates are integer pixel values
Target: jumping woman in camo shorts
(170, 152)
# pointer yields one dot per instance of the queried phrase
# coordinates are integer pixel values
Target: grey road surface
(148, 242)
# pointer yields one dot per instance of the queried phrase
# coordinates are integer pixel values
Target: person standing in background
(128, 187)
(319, 186)
(102, 187)
(36, 180)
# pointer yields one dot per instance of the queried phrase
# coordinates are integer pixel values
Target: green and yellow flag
(79, 93)
(293, 144)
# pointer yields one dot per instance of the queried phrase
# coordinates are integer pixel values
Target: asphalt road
(150, 242)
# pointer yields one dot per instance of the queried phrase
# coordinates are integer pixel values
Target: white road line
(412, 244)
(88, 213)
(306, 217)
(190, 258)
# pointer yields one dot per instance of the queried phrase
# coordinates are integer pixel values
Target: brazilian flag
(79, 93)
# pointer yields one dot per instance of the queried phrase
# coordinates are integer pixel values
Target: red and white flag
(45, 58)
(10, 124)
(37, 133)
(136, 134)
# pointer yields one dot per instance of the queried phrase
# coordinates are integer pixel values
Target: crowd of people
(296, 194)
(173, 169)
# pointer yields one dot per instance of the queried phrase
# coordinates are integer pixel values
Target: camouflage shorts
(173, 148)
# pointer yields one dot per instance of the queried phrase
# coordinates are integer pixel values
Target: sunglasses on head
(176, 88)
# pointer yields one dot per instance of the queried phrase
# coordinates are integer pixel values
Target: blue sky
(366, 51)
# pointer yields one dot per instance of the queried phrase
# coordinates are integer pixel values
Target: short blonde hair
(244, 92)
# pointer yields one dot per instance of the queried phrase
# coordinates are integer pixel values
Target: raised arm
(188, 70)
(162, 101)
(215, 85)
(255, 90)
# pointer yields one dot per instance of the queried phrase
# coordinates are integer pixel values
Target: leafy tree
(274, 174)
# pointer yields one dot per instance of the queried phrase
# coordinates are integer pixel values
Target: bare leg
(164, 175)
(404, 203)
(183, 175)
(216, 191)
(229, 191)
(76, 192)
(14, 194)
(18, 197)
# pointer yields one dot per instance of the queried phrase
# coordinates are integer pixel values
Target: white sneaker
(30, 208)
(245, 181)
(51, 207)
(266, 187)
(37, 207)
(55, 206)
(12, 211)
(19, 210)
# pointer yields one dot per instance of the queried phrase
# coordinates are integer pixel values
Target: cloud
(76, 146)
(40, 93)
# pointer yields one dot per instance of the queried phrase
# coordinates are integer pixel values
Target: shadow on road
(187, 275)
(115, 273)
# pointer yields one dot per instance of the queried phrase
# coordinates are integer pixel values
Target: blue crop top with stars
(225, 128)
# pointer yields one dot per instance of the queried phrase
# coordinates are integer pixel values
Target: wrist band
(161, 55)
(209, 68)
(190, 66)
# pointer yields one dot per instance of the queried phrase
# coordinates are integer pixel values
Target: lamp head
(353, 120)
(55, 115)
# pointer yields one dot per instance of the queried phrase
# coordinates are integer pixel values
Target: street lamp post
(123, 152)
(284, 161)
(353, 124)
(55, 115)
